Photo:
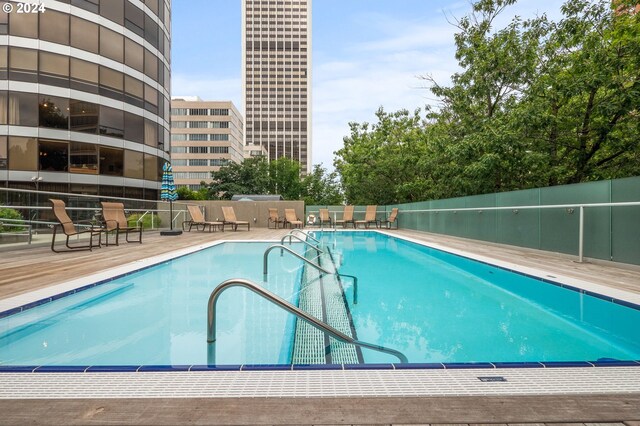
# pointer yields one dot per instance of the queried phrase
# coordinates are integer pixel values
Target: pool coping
(35, 298)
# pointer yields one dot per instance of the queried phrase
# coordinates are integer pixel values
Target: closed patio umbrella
(168, 193)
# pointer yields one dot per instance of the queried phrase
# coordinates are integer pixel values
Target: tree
(321, 188)
(284, 178)
(249, 177)
(379, 164)
(184, 193)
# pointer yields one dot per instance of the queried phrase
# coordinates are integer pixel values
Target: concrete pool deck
(583, 395)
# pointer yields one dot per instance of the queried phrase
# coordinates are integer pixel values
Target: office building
(276, 63)
(205, 135)
(84, 96)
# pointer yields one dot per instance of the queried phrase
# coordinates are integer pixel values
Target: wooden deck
(37, 267)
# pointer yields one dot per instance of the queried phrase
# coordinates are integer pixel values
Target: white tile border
(324, 383)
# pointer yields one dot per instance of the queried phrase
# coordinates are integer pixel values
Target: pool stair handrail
(290, 236)
(278, 301)
(296, 230)
(265, 267)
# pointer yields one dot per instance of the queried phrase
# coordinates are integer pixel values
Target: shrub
(7, 213)
(146, 220)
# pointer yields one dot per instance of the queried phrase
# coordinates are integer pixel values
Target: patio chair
(197, 220)
(274, 218)
(230, 219)
(325, 217)
(347, 217)
(393, 218)
(69, 228)
(369, 217)
(116, 221)
(291, 218)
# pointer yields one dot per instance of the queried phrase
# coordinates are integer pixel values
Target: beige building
(276, 77)
(205, 135)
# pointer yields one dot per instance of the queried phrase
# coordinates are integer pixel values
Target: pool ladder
(278, 301)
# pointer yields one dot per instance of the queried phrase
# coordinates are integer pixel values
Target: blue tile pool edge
(315, 367)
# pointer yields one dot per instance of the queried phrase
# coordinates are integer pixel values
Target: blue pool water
(157, 316)
(432, 306)
(437, 307)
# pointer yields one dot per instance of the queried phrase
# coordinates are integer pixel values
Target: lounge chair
(197, 220)
(70, 229)
(230, 219)
(291, 219)
(393, 218)
(347, 217)
(116, 221)
(325, 217)
(369, 217)
(274, 219)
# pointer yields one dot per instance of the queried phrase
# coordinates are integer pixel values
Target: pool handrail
(265, 267)
(278, 301)
(265, 258)
(316, 248)
(306, 234)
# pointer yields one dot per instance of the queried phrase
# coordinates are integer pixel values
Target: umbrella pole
(171, 214)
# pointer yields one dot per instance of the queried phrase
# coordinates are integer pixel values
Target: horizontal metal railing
(278, 301)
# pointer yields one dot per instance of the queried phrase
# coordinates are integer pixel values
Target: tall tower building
(276, 77)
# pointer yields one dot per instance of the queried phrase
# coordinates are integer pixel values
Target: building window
(218, 162)
(178, 149)
(198, 124)
(198, 162)
(178, 137)
(219, 137)
(133, 164)
(111, 122)
(53, 156)
(23, 109)
(134, 127)
(111, 161)
(198, 150)
(219, 149)
(54, 112)
(198, 111)
(179, 162)
(198, 137)
(219, 111)
(84, 35)
(83, 116)
(83, 158)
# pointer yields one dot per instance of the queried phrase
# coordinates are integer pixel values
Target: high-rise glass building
(276, 64)
(84, 96)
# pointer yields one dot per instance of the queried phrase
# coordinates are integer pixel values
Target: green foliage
(249, 177)
(281, 176)
(184, 193)
(321, 188)
(7, 213)
(536, 103)
(132, 220)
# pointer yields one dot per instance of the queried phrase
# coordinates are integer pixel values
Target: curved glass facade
(85, 96)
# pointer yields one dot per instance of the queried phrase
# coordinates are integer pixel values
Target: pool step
(322, 296)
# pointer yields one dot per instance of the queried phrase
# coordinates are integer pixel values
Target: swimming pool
(408, 299)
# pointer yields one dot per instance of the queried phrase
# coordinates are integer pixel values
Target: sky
(366, 54)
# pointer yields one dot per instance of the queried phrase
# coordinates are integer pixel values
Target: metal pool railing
(280, 302)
